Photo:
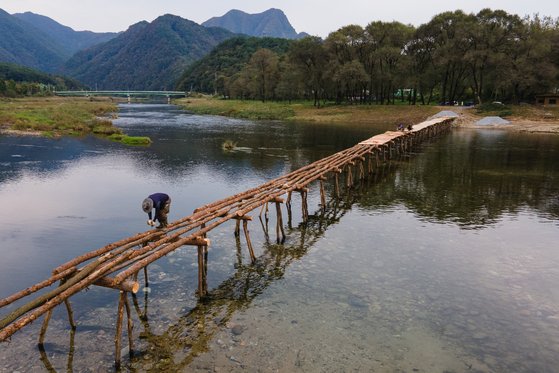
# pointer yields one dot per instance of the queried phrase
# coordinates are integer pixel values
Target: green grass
(305, 111)
(494, 109)
(58, 116)
(245, 109)
(130, 140)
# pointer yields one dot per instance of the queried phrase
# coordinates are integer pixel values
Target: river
(446, 261)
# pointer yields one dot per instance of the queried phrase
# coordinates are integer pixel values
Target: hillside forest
(456, 57)
(16, 80)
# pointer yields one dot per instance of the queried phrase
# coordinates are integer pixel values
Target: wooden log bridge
(118, 264)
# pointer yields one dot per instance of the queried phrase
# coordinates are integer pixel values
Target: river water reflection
(446, 261)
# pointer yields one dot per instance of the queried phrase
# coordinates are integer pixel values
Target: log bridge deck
(117, 265)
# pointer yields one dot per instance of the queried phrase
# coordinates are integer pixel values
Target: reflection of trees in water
(472, 181)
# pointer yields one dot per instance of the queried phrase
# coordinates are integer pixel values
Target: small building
(548, 99)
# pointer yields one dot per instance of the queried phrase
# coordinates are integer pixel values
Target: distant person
(401, 127)
(410, 127)
(161, 202)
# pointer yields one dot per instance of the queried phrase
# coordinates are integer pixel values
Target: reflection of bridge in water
(127, 94)
(117, 265)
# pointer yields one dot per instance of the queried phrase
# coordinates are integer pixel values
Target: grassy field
(520, 112)
(58, 116)
(527, 117)
(305, 111)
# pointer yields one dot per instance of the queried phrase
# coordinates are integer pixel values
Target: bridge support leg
(123, 304)
(322, 194)
(44, 328)
(46, 320)
(304, 205)
(146, 281)
(249, 243)
(264, 210)
(238, 228)
(202, 271)
(361, 171)
(288, 206)
(280, 233)
(337, 184)
(349, 181)
(70, 314)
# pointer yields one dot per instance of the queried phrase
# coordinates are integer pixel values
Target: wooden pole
(237, 228)
(44, 327)
(118, 336)
(201, 292)
(288, 207)
(32, 289)
(145, 278)
(130, 325)
(70, 314)
(337, 184)
(206, 250)
(322, 194)
(249, 243)
(280, 233)
(128, 285)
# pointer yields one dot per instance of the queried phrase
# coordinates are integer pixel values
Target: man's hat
(147, 205)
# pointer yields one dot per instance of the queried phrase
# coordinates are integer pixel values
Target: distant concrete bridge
(128, 94)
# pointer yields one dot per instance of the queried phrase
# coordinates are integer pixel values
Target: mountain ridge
(72, 41)
(270, 23)
(23, 44)
(146, 56)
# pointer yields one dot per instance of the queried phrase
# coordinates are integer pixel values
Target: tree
(385, 59)
(493, 37)
(531, 69)
(352, 79)
(446, 37)
(262, 70)
(289, 85)
(309, 57)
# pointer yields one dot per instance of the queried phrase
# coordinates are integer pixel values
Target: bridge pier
(122, 305)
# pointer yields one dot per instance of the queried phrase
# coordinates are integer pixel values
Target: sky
(316, 17)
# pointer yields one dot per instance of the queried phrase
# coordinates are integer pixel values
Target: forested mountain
(271, 23)
(23, 44)
(20, 80)
(227, 59)
(146, 56)
(71, 41)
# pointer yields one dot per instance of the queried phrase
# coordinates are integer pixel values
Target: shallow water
(445, 261)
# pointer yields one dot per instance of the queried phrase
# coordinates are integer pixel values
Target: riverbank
(306, 112)
(63, 116)
(523, 118)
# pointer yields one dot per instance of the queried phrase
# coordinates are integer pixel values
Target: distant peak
(272, 22)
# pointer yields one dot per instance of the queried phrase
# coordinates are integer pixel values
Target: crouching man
(161, 202)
